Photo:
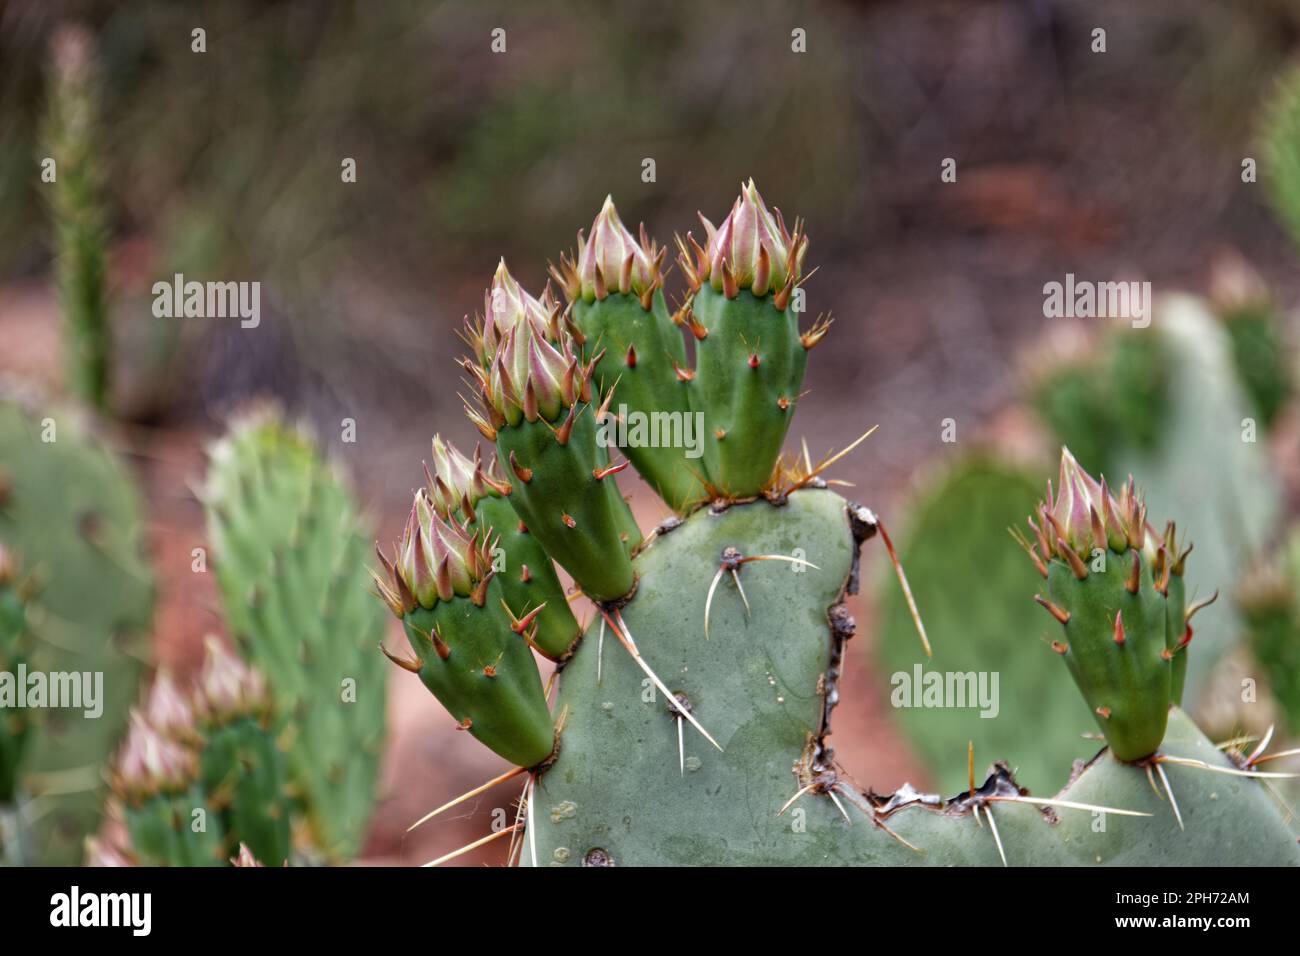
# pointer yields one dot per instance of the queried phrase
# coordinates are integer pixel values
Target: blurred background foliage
(227, 163)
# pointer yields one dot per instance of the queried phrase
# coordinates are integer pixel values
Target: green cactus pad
(488, 681)
(754, 684)
(643, 353)
(70, 514)
(291, 565)
(1226, 821)
(245, 776)
(749, 373)
(616, 795)
(1130, 682)
(177, 829)
(582, 521)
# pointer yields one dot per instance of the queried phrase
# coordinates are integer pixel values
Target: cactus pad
(70, 516)
(290, 561)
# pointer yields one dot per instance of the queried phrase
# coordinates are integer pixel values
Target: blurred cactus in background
(290, 561)
(70, 519)
(1281, 148)
(1271, 615)
(1240, 297)
(202, 778)
(72, 144)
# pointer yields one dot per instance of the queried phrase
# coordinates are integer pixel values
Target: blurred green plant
(1281, 151)
(1271, 615)
(72, 142)
(203, 775)
(70, 516)
(1263, 360)
(290, 559)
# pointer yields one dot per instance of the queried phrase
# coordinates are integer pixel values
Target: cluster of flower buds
(167, 710)
(1083, 515)
(152, 761)
(752, 249)
(507, 304)
(438, 558)
(611, 260)
(524, 368)
(245, 857)
(106, 853)
(228, 687)
(458, 483)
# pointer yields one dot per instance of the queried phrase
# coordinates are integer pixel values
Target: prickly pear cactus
(242, 764)
(692, 724)
(202, 777)
(478, 496)
(290, 563)
(1117, 595)
(1172, 404)
(750, 355)
(70, 517)
(620, 794)
(164, 807)
(538, 409)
